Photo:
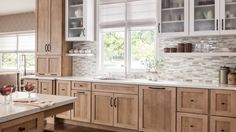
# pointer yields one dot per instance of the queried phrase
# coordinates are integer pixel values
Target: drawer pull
(81, 92)
(222, 130)
(62, 89)
(21, 129)
(223, 103)
(191, 126)
(111, 102)
(115, 102)
(157, 88)
(192, 100)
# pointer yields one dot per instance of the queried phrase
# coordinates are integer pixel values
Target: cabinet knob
(223, 103)
(191, 126)
(21, 129)
(192, 100)
(222, 130)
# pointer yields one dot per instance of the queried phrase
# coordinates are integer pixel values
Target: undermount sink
(109, 78)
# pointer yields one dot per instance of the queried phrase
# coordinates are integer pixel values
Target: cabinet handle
(222, 24)
(222, 130)
(84, 32)
(191, 100)
(217, 24)
(111, 102)
(115, 102)
(191, 126)
(159, 27)
(41, 73)
(223, 103)
(158, 88)
(21, 129)
(45, 47)
(49, 47)
(81, 92)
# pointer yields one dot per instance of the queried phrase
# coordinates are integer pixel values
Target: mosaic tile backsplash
(176, 68)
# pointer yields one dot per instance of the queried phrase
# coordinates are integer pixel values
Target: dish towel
(41, 104)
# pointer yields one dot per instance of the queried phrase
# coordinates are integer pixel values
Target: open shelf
(200, 54)
(80, 55)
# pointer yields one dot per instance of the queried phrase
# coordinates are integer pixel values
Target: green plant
(153, 64)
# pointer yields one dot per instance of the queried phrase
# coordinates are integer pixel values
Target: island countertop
(13, 111)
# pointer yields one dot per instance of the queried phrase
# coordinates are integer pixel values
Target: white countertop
(142, 82)
(13, 111)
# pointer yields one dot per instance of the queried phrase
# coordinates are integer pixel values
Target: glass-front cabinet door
(228, 16)
(204, 17)
(173, 18)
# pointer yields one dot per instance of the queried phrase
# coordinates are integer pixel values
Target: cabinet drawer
(81, 85)
(192, 123)
(32, 123)
(222, 124)
(192, 100)
(223, 103)
(117, 88)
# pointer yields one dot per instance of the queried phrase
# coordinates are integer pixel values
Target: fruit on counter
(6, 90)
(29, 87)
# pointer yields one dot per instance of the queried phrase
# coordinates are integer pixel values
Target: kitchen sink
(108, 78)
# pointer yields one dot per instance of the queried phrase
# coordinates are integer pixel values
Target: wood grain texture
(222, 124)
(117, 88)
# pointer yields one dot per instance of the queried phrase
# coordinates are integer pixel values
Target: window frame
(127, 44)
(17, 51)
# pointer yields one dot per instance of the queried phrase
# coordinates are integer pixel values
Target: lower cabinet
(82, 106)
(115, 109)
(63, 88)
(157, 108)
(192, 123)
(222, 124)
(47, 86)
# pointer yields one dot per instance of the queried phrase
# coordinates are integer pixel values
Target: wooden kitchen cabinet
(223, 103)
(63, 88)
(118, 88)
(47, 87)
(157, 109)
(102, 111)
(222, 124)
(82, 106)
(81, 85)
(34, 82)
(192, 123)
(51, 47)
(192, 100)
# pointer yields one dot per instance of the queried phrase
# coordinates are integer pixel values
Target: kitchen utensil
(232, 78)
(223, 74)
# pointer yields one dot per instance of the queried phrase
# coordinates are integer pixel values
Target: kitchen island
(17, 117)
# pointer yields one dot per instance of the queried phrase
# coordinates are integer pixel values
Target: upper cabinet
(204, 17)
(173, 17)
(80, 22)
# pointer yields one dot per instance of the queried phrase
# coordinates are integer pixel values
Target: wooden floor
(72, 128)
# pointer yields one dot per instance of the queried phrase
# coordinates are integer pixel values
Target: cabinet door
(192, 100)
(34, 83)
(223, 103)
(204, 17)
(63, 88)
(126, 111)
(192, 123)
(222, 124)
(43, 26)
(173, 17)
(56, 30)
(41, 65)
(157, 109)
(54, 66)
(82, 106)
(228, 16)
(102, 108)
(46, 87)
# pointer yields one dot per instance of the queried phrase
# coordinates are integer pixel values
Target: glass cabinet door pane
(75, 19)
(230, 14)
(172, 16)
(204, 15)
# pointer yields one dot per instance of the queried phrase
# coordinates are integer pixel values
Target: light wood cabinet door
(223, 103)
(192, 100)
(63, 88)
(34, 82)
(192, 123)
(222, 124)
(82, 85)
(126, 111)
(117, 88)
(102, 108)
(157, 109)
(41, 65)
(82, 106)
(46, 87)
(43, 26)
(54, 66)
(56, 28)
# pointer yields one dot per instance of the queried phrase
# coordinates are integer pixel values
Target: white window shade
(141, 12)
(112, 14)
(26, 42)
(8, 43)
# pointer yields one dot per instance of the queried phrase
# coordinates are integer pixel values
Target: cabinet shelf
(230, 3)
(80, 55)
(202, 6)
(77, 28)
(202, 20)
(201, 54)
(72, 18)
(174, 8)
(77, 5)
(178, 21)
(231, 18)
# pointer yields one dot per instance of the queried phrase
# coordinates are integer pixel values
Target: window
(12, 50)
(126, 33)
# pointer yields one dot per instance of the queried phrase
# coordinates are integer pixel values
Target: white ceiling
(8, 7)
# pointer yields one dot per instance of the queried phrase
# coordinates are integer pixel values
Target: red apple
(29, 87)
(6, 90)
